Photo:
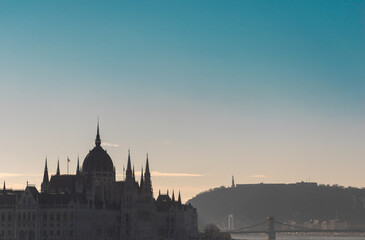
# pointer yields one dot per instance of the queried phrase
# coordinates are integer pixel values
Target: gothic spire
(129, 168)
(141, 182)
(45, 182)
(133, 175)
(179, 199)
(45, 174)
(58, 167)
(147, 177)
(78, 166)
(147, 167)
(173, 196)
(97, 139)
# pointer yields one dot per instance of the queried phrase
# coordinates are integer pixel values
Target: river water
(295, 237)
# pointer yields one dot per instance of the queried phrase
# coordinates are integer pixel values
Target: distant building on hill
(270, 185)
(92, 205)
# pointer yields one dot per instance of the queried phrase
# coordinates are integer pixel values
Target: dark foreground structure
(92, 205)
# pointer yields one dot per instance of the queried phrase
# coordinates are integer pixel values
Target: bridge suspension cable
(245, 228)
(294, 226)
(270, 230)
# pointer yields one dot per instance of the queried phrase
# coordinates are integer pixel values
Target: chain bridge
(270, 227)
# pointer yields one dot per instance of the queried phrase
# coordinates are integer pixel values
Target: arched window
(3, 217)
(72, 217)
(33, 216)
(28, 216)
(24, 217)
(51, 217)
(58, 216)
(10, 217)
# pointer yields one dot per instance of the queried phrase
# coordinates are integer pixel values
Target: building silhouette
(92, 204)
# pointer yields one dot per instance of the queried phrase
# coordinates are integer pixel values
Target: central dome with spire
(98, 160)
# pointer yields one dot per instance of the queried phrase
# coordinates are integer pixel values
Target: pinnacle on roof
(141, 182)
(78, 166)
(179, 199)
(45, 174)
(129, 167)
(173, 195)
(133, 175)
(147, 166)
(97, 139)
(58, 167)
(147, 178)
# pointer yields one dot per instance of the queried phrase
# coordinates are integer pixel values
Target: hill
(298, 202)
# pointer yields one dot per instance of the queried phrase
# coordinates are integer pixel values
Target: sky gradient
(267, 91)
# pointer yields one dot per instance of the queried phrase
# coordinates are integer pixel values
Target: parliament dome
(98, 160)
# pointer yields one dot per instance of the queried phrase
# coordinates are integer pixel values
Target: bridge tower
(270, 233)
(230, 222)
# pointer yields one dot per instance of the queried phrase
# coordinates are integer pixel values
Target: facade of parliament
(92, 205)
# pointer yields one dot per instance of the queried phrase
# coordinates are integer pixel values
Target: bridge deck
(271, 227)
(303, 230)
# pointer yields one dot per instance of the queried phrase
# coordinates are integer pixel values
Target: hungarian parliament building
(93, 205)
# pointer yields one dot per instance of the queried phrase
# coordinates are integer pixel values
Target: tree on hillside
(212, 232)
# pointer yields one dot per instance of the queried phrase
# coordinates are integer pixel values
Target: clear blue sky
(268, 91)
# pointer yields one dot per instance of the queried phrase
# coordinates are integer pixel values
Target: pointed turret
(129, 168)
(133, 175)
(4, 188)
(45, 182)
(58, 168)
(78, 166)
(45, 174)
(147, 178)
(173, 196)
(97, 139)
(147, 167)
(179, 199)
(141, 182)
